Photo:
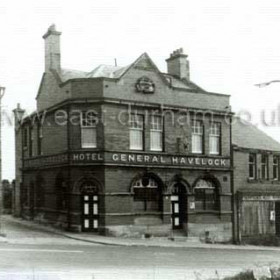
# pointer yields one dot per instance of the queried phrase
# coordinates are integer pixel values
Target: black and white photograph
(139, 140)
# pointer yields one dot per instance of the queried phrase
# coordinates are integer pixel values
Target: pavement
(8, 236)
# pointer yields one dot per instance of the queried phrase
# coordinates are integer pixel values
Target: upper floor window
(264, 166)
(197, 137)
(39, 139)
(25, 137)
(252, 166)
(31, 141)
(215, 138)
(275, 167)
(136, 124)
(156, 133)
(88, 130)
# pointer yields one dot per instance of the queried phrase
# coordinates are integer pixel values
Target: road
(34, 254)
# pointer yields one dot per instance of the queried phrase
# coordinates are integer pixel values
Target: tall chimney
(52, 49)
(178, 65)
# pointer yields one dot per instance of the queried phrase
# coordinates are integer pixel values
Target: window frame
(39, 139)
(264, 167)
(157, 127)
(150, 193)
(201, 134)
(254, 164)
(86, 124)
(31, 141)
(215, 206)
(141, 128)
(275, 167)
(25, 137)
(215, 135)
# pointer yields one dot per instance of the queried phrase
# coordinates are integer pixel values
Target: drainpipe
(68, 173)
(232, 184)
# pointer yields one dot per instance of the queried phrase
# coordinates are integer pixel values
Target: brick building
(126, 150)
(256, 181)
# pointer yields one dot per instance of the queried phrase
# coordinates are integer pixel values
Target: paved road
(39, 255)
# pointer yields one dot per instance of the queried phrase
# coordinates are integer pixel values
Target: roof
(246, 135)
(106, 71)
(116, 72)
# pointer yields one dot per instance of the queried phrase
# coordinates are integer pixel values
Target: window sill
(216, 212)
(252, 180)
(148, 213)
(249, 180)
(275, 181)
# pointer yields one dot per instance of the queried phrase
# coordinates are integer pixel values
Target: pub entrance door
(178, 206)
(90, 211)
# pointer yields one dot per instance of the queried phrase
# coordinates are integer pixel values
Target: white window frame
(265, 166)
(136, 132)
(215, 138)
(88, 122)
(156, 133)
(275, 165)
(197, 137)
(253, 163)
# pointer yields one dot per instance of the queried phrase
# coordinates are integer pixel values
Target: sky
(232, 45)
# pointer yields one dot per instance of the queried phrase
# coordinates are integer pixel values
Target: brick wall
(125, 89)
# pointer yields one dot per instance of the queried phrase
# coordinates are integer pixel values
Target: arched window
(206, 195)
(89, 187)
(147, 195)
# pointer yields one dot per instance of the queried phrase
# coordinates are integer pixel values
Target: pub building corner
(121, 163)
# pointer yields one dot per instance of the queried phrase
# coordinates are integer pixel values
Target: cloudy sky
(232, 45)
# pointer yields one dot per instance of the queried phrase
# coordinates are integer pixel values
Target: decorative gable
(144, 63)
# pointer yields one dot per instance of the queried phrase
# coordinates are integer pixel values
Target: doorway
(90, 208)
(178, 206)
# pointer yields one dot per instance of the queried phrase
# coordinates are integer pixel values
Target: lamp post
(2, 92)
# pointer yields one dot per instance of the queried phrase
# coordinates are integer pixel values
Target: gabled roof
(246, 135)
(117, 72)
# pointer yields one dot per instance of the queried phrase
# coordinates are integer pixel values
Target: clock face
(145, 85)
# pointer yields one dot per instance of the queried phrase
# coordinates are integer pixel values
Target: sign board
(128, 159)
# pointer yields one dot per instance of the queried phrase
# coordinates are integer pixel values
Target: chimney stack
(52, 49)
(178, 65)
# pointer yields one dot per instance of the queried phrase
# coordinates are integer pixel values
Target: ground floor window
(206, 195)
(147, 195)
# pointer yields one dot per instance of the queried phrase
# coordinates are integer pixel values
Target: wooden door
(90, 212)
